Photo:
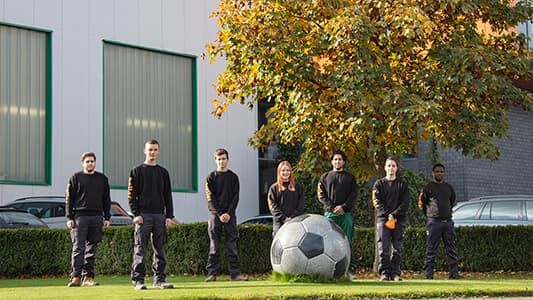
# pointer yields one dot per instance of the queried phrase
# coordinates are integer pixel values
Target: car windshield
(19, 218)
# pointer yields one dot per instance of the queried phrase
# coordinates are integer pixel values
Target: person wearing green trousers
(337, 190)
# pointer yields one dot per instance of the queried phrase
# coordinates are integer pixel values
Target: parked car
(16, 218)
(259, 219)
(498, 210)
(51, 209)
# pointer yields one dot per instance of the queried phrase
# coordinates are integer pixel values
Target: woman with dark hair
(285, 197)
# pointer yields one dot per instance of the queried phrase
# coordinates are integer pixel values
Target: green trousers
(345, 222)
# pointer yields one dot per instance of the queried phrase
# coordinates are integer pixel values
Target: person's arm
(235, 199)
(350, 201)
(453, 199)
(301, 201)
(401, 210)
(169, 205)
(133, 185)
(70, 196)
(322, 194)
(423, 200)
(273, 203)
(106, 199)
(212, 202)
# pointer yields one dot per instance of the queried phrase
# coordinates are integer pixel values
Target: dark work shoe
(352, 275)
(396, 278)
(211, 278)
(455, 276)
(139, 285)
(74, 282)
(240, 277)
(383, 277)
(163, 285)
(429, 276)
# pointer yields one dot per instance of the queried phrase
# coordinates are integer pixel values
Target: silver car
(498, 210)
(51, 209)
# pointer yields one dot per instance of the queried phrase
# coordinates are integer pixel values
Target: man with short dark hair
(437, 199)
(150, 200)
(222, 193)
(337, 191)
(87, 211)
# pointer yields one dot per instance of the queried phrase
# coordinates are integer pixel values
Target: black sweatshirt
(222, 192)
(337, 188)
(149, 191)
(390, 198)
(87, 195)
(285, 204)
(437, 200)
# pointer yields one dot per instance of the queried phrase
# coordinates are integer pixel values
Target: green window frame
(25, 105)
(149, 93)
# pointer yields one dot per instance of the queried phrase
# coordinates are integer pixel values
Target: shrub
(38, 252)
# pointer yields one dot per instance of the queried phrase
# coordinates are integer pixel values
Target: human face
(285, 173)
(391, 168)
(152, 152)
(221, 162)
(438, 174)
(88, 164)
(338, 162)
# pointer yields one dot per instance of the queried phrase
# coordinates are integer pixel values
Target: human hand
(138, 220)
(224, 218)
(71, 224)
(169, 222)
(107, 223)
(338, 210)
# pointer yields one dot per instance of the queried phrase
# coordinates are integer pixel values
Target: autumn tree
(372, 77)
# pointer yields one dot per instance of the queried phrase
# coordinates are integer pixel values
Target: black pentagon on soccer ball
(336, 227)
(311, 245)
(277, 251)
(340, 267)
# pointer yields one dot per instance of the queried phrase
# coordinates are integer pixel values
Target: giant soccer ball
(310, 244)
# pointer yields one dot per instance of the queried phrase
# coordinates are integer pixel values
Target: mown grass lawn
(263, 287)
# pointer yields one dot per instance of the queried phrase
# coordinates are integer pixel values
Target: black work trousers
(215, 227)
(437, 230)
(85, 236)
(389, 262)
(153, 227)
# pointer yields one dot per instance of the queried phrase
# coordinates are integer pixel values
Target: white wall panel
(20, 12)
(48, 14)
(126, 15)
(150, 23)
(101, 18)
(172, 22)
(2, 16)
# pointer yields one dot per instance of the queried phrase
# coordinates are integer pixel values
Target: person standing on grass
(285, 197)
(337, 191)
(150, 200)
(87, 205)
(390, 197)
(436, 201)
(222, 193)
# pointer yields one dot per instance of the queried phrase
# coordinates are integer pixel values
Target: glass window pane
(148, 94)
(506, 210)
(529, 210)
(467, 211)
(23, 92)
(485, 213)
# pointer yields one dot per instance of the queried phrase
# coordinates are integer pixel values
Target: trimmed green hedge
(38, 252)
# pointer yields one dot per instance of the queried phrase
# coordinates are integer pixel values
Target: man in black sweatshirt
(87, 210)
(337, 191)
(390, 197)
(150, 200)
(436, 200)
(222, 193)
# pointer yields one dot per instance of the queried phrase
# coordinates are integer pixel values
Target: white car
(51, 210)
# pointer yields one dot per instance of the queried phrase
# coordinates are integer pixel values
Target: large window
(149, 94)
(25, 96)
